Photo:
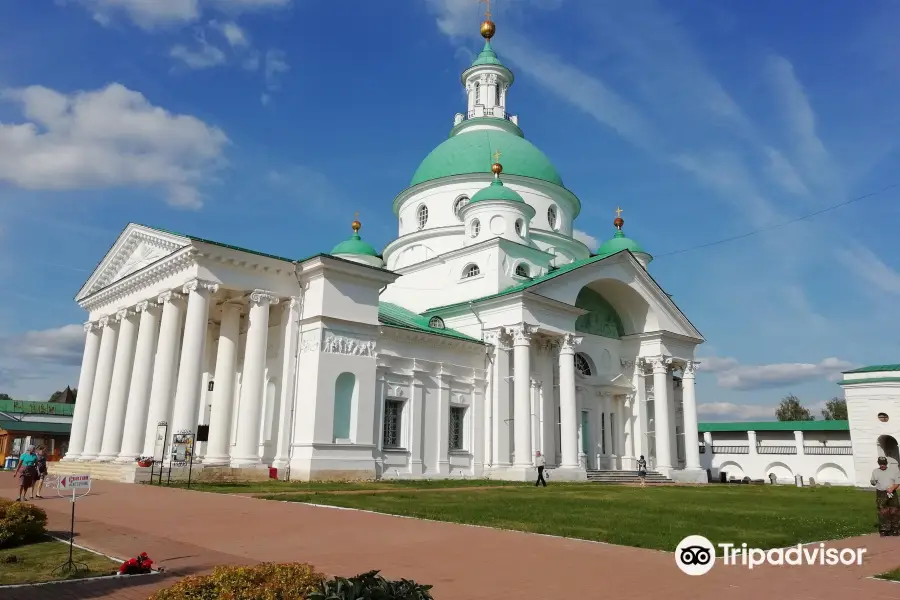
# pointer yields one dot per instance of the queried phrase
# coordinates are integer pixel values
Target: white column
(490, 340)
(121, 381)
(139, 393)
(628, 415)
(100, 395)
(689, 410)
(708, 441)
(246, 451)
(220, 418)
(798, 439)
(605, 408)
(522, 395)
(163, 368)
(85, 389)
(662, 417)
(500, 398)
(751, 442)
(190, 369)
(290, 320)
(568, 407)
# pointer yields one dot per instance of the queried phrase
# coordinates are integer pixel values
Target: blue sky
(268, 123)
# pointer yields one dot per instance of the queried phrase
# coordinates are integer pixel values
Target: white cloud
(111, 137)
(34, 364)
(725, 411)
(731, 374)
(150, 14)
(204, 57)
(783, 173)
(275, 65)
(236, 36)
(587, 239)
(869, 268)
(63, 345)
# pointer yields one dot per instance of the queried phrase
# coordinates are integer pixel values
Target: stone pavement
(190, 532)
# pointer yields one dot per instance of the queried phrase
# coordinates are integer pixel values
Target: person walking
(26, 471)
(642, 470)
(41, 466)
(886, 482)
(540, 462)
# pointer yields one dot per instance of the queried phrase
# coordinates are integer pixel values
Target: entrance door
(586, 437)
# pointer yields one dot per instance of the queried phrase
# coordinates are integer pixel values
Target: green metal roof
(35, 426)
(396, 316)
(472, 151)
(875, 369)
(777, 426)
(618, 243)
(847, 382)
(32, 407)
(496, 191)
(229, 246)
(354, 245)
(487, 56)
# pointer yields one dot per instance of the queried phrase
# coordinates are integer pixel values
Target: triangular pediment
(137, 247)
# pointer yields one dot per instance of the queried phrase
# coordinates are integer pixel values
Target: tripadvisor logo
(696, 555)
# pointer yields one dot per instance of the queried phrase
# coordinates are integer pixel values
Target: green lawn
(891, 575)
(658, 517)
(34, 563)
(278, 487)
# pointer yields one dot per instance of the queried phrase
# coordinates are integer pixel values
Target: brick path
(189, 532)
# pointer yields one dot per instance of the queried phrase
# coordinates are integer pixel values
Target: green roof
(472, 151)
(875, 369)
(618, 243)
(777, 426)
(396, 316)
(35, 426)
(487, 56)
(194, 238)
(354, 245)
(496, 191)
(33, 407)
(847, 382)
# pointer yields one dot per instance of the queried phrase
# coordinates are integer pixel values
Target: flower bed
(294, 581)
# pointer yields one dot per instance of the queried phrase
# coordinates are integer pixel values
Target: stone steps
(609, 476)
(97, 470)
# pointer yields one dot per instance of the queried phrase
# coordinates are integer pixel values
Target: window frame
(554, 221)
(461, 435)
(399, 433)
(468, 268)
(422, 214)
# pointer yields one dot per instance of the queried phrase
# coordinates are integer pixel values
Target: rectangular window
(604, 433)
(393, 410)
(457, 419)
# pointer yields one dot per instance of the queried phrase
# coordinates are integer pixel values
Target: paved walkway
(189, 532)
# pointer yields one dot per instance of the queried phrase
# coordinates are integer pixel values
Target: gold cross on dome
(497, 155)
(618, 212)
(356, 215)
(487, 8)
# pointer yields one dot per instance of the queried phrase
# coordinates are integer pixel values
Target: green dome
(496, 191)
(472, 152)
(487, 56)
(618, 243)
(354, 245)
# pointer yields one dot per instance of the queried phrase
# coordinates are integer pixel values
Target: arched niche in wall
(601, 319)
(344, 394)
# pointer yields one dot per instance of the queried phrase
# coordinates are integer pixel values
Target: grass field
(34, 563)
(657, 517)
(279, 487)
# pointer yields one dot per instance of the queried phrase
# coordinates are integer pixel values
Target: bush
(267, 581)
(20, 523)
(371, 586)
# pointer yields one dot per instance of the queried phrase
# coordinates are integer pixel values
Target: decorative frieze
(147, 277)
(310, 341)
(347, 344)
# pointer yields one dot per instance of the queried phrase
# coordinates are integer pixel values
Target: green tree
(835, 410)
(790, 409)
(5, 397)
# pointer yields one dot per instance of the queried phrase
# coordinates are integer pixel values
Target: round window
(552, 217)
(883, 417)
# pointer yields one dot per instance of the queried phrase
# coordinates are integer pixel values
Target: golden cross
(487, 8)
(497, 156)
(356, 215)
(618, 212)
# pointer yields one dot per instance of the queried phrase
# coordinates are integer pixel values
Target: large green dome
(472, 152)
(618, 243)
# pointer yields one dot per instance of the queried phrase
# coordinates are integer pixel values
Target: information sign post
(79, 486)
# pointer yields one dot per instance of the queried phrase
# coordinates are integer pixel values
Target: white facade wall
(868, 395)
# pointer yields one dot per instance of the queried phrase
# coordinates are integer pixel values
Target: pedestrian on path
(26, 471)
(642, 470)
(540, 462)
(886, 482)
(41, 466)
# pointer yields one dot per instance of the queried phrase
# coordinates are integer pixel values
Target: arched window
(583, 365)
(477, 92)
(476, 228)
(522, 270)
(344, 394)
(497, 97)
(551, 217)
(436, 323)
(519, 226)
(422, 216)
(471, 270)
(458, 204)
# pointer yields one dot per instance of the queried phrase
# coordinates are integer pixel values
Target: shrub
(371, 586)
(267, 581)
(20, 523)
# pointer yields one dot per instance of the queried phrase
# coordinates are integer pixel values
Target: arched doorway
(887, 446)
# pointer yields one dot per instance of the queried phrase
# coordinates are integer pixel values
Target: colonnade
(144, 364)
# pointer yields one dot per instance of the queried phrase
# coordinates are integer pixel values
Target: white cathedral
(483, 334)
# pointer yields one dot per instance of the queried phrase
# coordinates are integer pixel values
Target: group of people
(541, 463)
(31, 472)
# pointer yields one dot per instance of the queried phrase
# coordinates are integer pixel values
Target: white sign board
(69, 483)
